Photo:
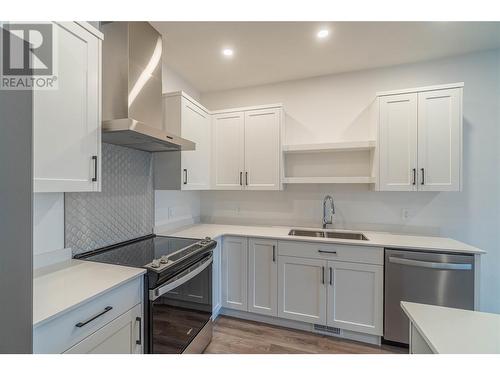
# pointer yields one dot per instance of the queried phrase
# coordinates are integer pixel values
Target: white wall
(340, 107)
(48, 222)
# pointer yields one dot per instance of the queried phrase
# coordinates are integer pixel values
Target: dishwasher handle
(433, 265)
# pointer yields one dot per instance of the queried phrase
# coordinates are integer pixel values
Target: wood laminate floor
(236, 336)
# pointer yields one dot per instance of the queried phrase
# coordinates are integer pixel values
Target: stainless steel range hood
(132, 108)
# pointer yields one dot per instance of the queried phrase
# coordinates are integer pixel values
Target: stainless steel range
(178, 289)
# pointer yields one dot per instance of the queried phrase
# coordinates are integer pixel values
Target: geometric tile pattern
(123, 210)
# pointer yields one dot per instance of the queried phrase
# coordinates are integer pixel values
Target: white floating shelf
(329, 180)
(328, 147)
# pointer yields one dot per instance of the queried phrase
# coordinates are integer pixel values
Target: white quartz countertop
(378, 239)
(66, 285)
(455, 331)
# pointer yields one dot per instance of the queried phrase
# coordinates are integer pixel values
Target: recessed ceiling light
(323, 33)
(228, 52)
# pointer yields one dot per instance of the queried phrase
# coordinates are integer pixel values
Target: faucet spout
(328, 214)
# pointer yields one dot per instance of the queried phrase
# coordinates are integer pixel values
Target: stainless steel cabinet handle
(274, 253)
(246, 178)
(241, 178)
(423, 176)
(331, 275)
(414, 176)
(94, 158)
(139, 341)
(81, 324)
(323, 275)
(434, 265)
(327, 251)
(185, 176)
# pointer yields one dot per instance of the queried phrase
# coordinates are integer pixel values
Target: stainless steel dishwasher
(441, 279)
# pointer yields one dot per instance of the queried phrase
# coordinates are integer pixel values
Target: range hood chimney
(132, 106)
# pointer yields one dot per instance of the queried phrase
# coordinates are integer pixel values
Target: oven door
(181, 309)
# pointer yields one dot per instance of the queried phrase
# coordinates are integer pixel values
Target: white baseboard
(308, 327)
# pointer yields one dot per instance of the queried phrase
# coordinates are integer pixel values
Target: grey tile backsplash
(123, 210)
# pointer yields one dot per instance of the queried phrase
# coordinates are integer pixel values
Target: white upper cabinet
(262, 149)
(398, 142)
(439, 139)
(67, 120)
(185, 117)
(247, 149)
(420, 139)
(228, 151)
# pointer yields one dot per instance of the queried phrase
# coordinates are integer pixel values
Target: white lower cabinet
(121, 336)
(302, 289)
(110, 323)
(234, 273)
(354, 300)
(216, 280)
(263, 276)
(338, 286)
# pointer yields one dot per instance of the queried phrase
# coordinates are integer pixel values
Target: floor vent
(326, 329)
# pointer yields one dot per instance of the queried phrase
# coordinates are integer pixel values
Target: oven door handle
(183, 277)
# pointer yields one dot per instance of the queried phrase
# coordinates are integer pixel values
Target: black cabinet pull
(139, 342)
(274, 253)
(423, 176)
(414, 176)
(246, 178)
(94, 158)
(331, 276)
(241, 178)
(322, 275)
(81, 324)
(185, 176)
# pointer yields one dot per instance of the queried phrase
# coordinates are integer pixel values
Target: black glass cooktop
(142, 252)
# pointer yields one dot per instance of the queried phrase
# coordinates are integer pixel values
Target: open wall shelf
(330, 147)
(330, 163)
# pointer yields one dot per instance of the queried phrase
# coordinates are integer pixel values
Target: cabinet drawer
(343, 253)
(61, 333)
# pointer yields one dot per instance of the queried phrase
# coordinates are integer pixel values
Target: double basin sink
(328, 234)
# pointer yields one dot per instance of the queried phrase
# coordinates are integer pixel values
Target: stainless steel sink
(346, 235)
(306, 233)
(328, 234)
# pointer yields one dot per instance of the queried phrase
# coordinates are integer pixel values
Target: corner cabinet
(420, 139)
(67, 120)
(247, 149)
(234, 273)
(185, 116)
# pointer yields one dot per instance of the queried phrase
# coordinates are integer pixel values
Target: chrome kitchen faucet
(328, 217)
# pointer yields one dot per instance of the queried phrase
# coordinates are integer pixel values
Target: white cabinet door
(196, 126)
(439, 139)
(123, 335)
(263, 276)
(262, 149)
(398, 142)
(228, 151)
(234, 273)
(216, 280)
(355, 297)
(67, 120)
(302, 289)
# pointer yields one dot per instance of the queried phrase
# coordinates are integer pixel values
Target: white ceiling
(266, 52)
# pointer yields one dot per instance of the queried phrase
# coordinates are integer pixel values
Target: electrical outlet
(405, 214)
(171, 212)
